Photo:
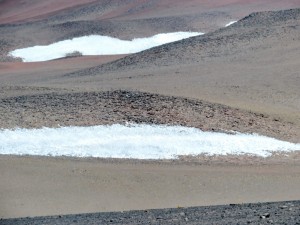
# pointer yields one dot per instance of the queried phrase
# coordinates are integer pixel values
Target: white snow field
(135, 141)
(97, 45)
(230, 23)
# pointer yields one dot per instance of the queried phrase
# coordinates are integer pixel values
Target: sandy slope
(29, 73)
(51, 186)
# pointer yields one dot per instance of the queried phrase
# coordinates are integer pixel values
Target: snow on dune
(135, 141)
(230, 23)
(97, 45)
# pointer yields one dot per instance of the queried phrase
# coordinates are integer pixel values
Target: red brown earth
(24, 11)
(51, 21)
(28, 72)
(244, 78)
(13, 11)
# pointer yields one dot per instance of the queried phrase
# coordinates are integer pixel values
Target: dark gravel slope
(256, 31)
(260, 213)
(95, 108)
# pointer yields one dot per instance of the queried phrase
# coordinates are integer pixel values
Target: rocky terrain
(257, 30)
(95, 108)
(261, 213)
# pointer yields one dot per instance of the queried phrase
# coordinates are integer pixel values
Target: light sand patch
(33, 186)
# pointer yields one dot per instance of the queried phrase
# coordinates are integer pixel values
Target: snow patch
(135, 141)
(97, 45)
(230, 23)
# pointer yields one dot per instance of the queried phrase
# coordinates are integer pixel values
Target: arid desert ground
(242, 78)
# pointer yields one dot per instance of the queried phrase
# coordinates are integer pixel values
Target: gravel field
(97, 108)
(255, 31)
(260, 213)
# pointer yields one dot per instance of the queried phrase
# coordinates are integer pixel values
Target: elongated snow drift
(135, 141)
(230, 23)
(97, 45)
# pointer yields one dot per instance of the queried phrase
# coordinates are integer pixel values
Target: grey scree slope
(259, 213)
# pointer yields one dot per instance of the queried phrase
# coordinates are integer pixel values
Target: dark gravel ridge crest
(257, 30)
(111, 107)
(255, 213)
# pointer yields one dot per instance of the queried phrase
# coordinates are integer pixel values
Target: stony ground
(97, 108)
(261, 213)
(258, 30)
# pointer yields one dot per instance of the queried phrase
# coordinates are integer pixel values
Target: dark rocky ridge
(258, 30)
(260, 213)
(96, 108)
